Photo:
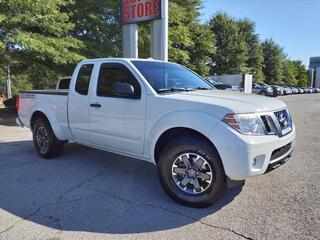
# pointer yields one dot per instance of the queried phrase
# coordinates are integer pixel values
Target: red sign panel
(134, 11)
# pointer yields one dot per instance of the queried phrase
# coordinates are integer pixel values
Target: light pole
(9, 93)
(6, 67)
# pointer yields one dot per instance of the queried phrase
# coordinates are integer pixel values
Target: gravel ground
(90, 194)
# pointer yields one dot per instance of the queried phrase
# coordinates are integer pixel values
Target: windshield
(164, 76)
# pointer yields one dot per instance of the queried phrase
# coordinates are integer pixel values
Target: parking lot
(90, 194)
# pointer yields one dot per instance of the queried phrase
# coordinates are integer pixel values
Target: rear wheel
(263, 93)
(44, 140)
(191, 172)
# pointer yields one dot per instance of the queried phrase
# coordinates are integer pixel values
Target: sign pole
(136, 11)
(130, 40)
(159, 34)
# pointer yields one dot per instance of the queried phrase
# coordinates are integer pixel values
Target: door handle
(96, 105)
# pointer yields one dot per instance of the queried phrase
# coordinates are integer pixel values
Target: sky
(293, 24)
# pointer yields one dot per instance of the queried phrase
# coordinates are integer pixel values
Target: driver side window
(112, 73)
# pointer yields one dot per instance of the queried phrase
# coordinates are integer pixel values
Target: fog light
(258, 162)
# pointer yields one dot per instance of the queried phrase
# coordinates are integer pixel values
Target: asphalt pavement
(91, 194)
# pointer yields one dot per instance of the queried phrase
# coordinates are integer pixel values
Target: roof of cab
(121, 59)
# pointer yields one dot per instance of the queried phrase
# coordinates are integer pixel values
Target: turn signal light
(232, 121)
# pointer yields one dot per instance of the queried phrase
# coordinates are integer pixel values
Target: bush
(10, 103)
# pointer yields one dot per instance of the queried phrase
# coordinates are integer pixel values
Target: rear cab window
(83, 79)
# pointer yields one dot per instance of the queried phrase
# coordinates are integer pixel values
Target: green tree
(202, 48)
(253, 47)
(37, 30)
(190, 42)
(179, 33)
(273, 62)
(96, 24)
(144, 40)
(289, 73)
(231, 55)
(301, 73)
(35, 33)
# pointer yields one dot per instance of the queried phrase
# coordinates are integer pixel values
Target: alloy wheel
(42, 139)
(192, 173)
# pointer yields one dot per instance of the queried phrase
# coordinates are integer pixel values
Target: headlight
(248, 124)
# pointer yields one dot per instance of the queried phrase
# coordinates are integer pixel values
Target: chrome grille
(277, 123)
(283, 119)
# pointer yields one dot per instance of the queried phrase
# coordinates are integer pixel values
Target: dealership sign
(134, 11)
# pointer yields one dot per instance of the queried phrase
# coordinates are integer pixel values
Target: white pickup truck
(161, 112)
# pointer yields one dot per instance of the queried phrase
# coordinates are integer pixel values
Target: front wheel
(191, 172)
(44, 140)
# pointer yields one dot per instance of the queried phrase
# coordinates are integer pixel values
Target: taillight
(17, 103)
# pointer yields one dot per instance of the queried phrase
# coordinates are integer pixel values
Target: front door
(117, 121)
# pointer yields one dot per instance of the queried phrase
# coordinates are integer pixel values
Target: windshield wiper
(174, 89)
(202, 88)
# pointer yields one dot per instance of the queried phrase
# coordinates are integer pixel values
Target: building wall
(314, 72)
(240, 80)
(317, 78)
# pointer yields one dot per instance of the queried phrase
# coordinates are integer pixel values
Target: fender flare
(54, 123)
(201, 122)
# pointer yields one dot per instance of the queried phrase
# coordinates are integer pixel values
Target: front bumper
(244, 156)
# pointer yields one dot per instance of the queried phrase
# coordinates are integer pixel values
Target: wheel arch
(37, 114)
(176, 132)
(50, 119)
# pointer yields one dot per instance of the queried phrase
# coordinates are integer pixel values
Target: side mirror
(123, 89)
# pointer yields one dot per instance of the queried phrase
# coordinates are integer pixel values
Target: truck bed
(46, 101)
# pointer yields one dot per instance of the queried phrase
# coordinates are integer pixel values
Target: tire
(210, 193)
(263, 93)
(44, 140)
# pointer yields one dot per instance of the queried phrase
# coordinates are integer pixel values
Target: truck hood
(237, 102)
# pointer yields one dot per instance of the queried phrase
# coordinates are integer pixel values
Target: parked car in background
(309, 90)
(294, 90)
(300, 90)
(263, 89)
(279, 88)
(286, 90)
(276, 89)
(317, 90)
(219, 85)
(306, 90)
